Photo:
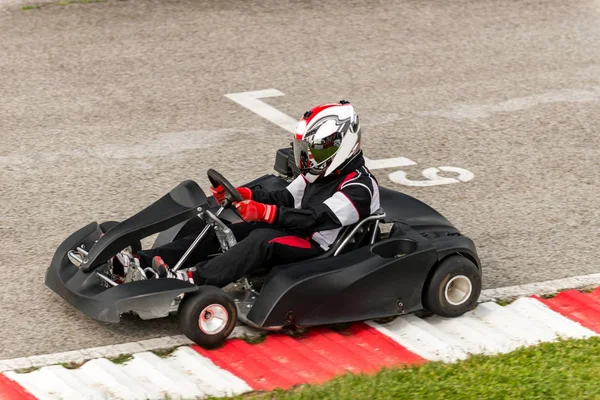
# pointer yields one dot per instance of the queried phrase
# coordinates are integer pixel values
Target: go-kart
(404, 258)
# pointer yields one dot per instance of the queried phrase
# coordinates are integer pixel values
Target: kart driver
(334, 190)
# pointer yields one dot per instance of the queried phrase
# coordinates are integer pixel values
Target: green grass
(568, 369)
(31, 7)
(554, 294)
(549, 295)
(504, 302)
(26, 370)
(254, 339)
(71, 365)
(123, 358)
(165, 352)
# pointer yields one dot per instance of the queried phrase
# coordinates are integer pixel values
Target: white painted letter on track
(433, 179)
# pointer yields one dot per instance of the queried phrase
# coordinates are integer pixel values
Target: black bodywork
(373, 281)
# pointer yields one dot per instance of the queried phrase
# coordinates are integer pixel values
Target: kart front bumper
(148, 299)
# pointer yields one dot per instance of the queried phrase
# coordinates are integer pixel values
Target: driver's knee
(262, 236)
(241, 230)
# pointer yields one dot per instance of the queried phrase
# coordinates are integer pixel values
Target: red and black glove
(251, 211)
(219, 193)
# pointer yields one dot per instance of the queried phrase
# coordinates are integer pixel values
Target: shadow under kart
(422, 261)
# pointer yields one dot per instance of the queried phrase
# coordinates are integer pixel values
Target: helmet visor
(301, 155)
(323, 149)
(312, 153)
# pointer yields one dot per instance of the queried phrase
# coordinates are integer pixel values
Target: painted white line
(203, 370)
(488, 329)
(417, 338)
(43, 384)
(103, 373)
(433, 178)
(80, 356)
(475, 336)
(539, 288)
(155, 373)
(184, 374)
(475, 111)
(383, 163)
(554, 322)
(252, 101)
(519, 330)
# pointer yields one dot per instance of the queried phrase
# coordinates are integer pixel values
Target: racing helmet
(327, 136)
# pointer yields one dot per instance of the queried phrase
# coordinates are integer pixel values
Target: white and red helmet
(326, 137)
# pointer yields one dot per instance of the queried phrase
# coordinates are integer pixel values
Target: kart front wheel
(454, 287)
(207, 317)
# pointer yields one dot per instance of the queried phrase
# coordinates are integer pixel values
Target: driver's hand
(245, 193)
(251, 211)
(219, 193)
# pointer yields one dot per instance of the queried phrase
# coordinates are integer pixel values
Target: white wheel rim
(458, 290)
(213, 319)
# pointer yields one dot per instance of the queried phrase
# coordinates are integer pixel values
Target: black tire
(462, 278)
(108, 225)
(208, 299)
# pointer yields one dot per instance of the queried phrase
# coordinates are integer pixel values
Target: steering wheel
(231, 193)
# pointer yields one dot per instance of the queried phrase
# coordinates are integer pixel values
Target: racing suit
(310, 217)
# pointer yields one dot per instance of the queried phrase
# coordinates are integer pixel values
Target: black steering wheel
(231, 193)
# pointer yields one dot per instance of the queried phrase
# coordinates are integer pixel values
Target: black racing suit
(309, 219)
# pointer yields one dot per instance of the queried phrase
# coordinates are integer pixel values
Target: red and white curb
(317, 356)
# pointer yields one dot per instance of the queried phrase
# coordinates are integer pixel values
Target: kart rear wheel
(454, 287)
(207, 317)
(108, 225)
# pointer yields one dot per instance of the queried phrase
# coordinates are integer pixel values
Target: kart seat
(360, 234)
(357, 235)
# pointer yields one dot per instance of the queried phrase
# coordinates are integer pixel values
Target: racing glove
(219, 193)
(251, 211)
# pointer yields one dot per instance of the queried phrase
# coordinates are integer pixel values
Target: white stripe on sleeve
(343, 208)
(296, 188)
(375, 199)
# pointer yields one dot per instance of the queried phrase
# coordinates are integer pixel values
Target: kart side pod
(375, 281)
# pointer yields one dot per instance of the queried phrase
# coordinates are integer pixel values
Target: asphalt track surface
(106, 106)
